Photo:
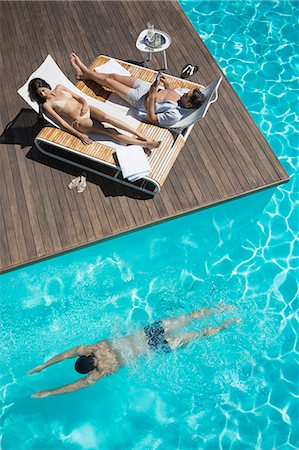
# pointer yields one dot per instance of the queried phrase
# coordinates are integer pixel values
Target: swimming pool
(238, 389)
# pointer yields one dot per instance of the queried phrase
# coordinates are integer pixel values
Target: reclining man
(164, 107)
(107, 357)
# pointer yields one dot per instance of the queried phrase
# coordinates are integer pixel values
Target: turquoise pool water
(236, 390)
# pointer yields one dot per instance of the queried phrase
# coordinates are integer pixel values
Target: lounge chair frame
(146, 184)
(100, 159)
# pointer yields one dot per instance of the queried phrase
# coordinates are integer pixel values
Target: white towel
(133, 162)
(112, 66)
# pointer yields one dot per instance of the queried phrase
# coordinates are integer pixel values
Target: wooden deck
(225, 156)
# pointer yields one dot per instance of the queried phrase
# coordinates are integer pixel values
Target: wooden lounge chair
(99, 158)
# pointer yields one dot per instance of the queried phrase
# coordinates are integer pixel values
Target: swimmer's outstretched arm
(90, 379)
(72, 353)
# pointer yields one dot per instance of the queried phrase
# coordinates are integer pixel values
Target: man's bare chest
(166, 95)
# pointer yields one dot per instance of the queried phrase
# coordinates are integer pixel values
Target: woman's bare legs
(180, 339)
(122, 138)
(121, 85)
(181, 321)
(88, 126)
(100, 117)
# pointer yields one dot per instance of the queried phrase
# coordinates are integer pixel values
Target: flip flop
(188, 71)
(74, 183)
(82, 184)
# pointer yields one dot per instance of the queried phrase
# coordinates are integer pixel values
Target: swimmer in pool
(107, 357)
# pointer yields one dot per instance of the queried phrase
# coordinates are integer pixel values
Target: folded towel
(112, 66)
(133, 162)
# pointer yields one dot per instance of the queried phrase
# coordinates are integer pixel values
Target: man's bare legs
(121, 85)
(178, 340)
(181, 321)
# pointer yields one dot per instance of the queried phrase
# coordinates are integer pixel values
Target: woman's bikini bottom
(76, 124)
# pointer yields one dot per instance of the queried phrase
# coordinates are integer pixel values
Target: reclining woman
(73, 113)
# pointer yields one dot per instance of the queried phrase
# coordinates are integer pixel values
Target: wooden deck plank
(225, 155)
(28, 189)
(5, 259)
(12, 253)
(51, 232)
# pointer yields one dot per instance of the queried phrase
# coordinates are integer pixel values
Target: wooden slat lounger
(99, 158)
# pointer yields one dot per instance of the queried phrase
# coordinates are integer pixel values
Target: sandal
(82, 184)
(188, 71)
(74, 183)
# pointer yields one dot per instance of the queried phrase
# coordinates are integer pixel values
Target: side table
(140, 44)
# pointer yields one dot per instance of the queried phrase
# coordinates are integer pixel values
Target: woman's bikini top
(59, 105)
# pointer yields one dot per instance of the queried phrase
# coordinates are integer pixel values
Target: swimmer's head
(85, 364)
